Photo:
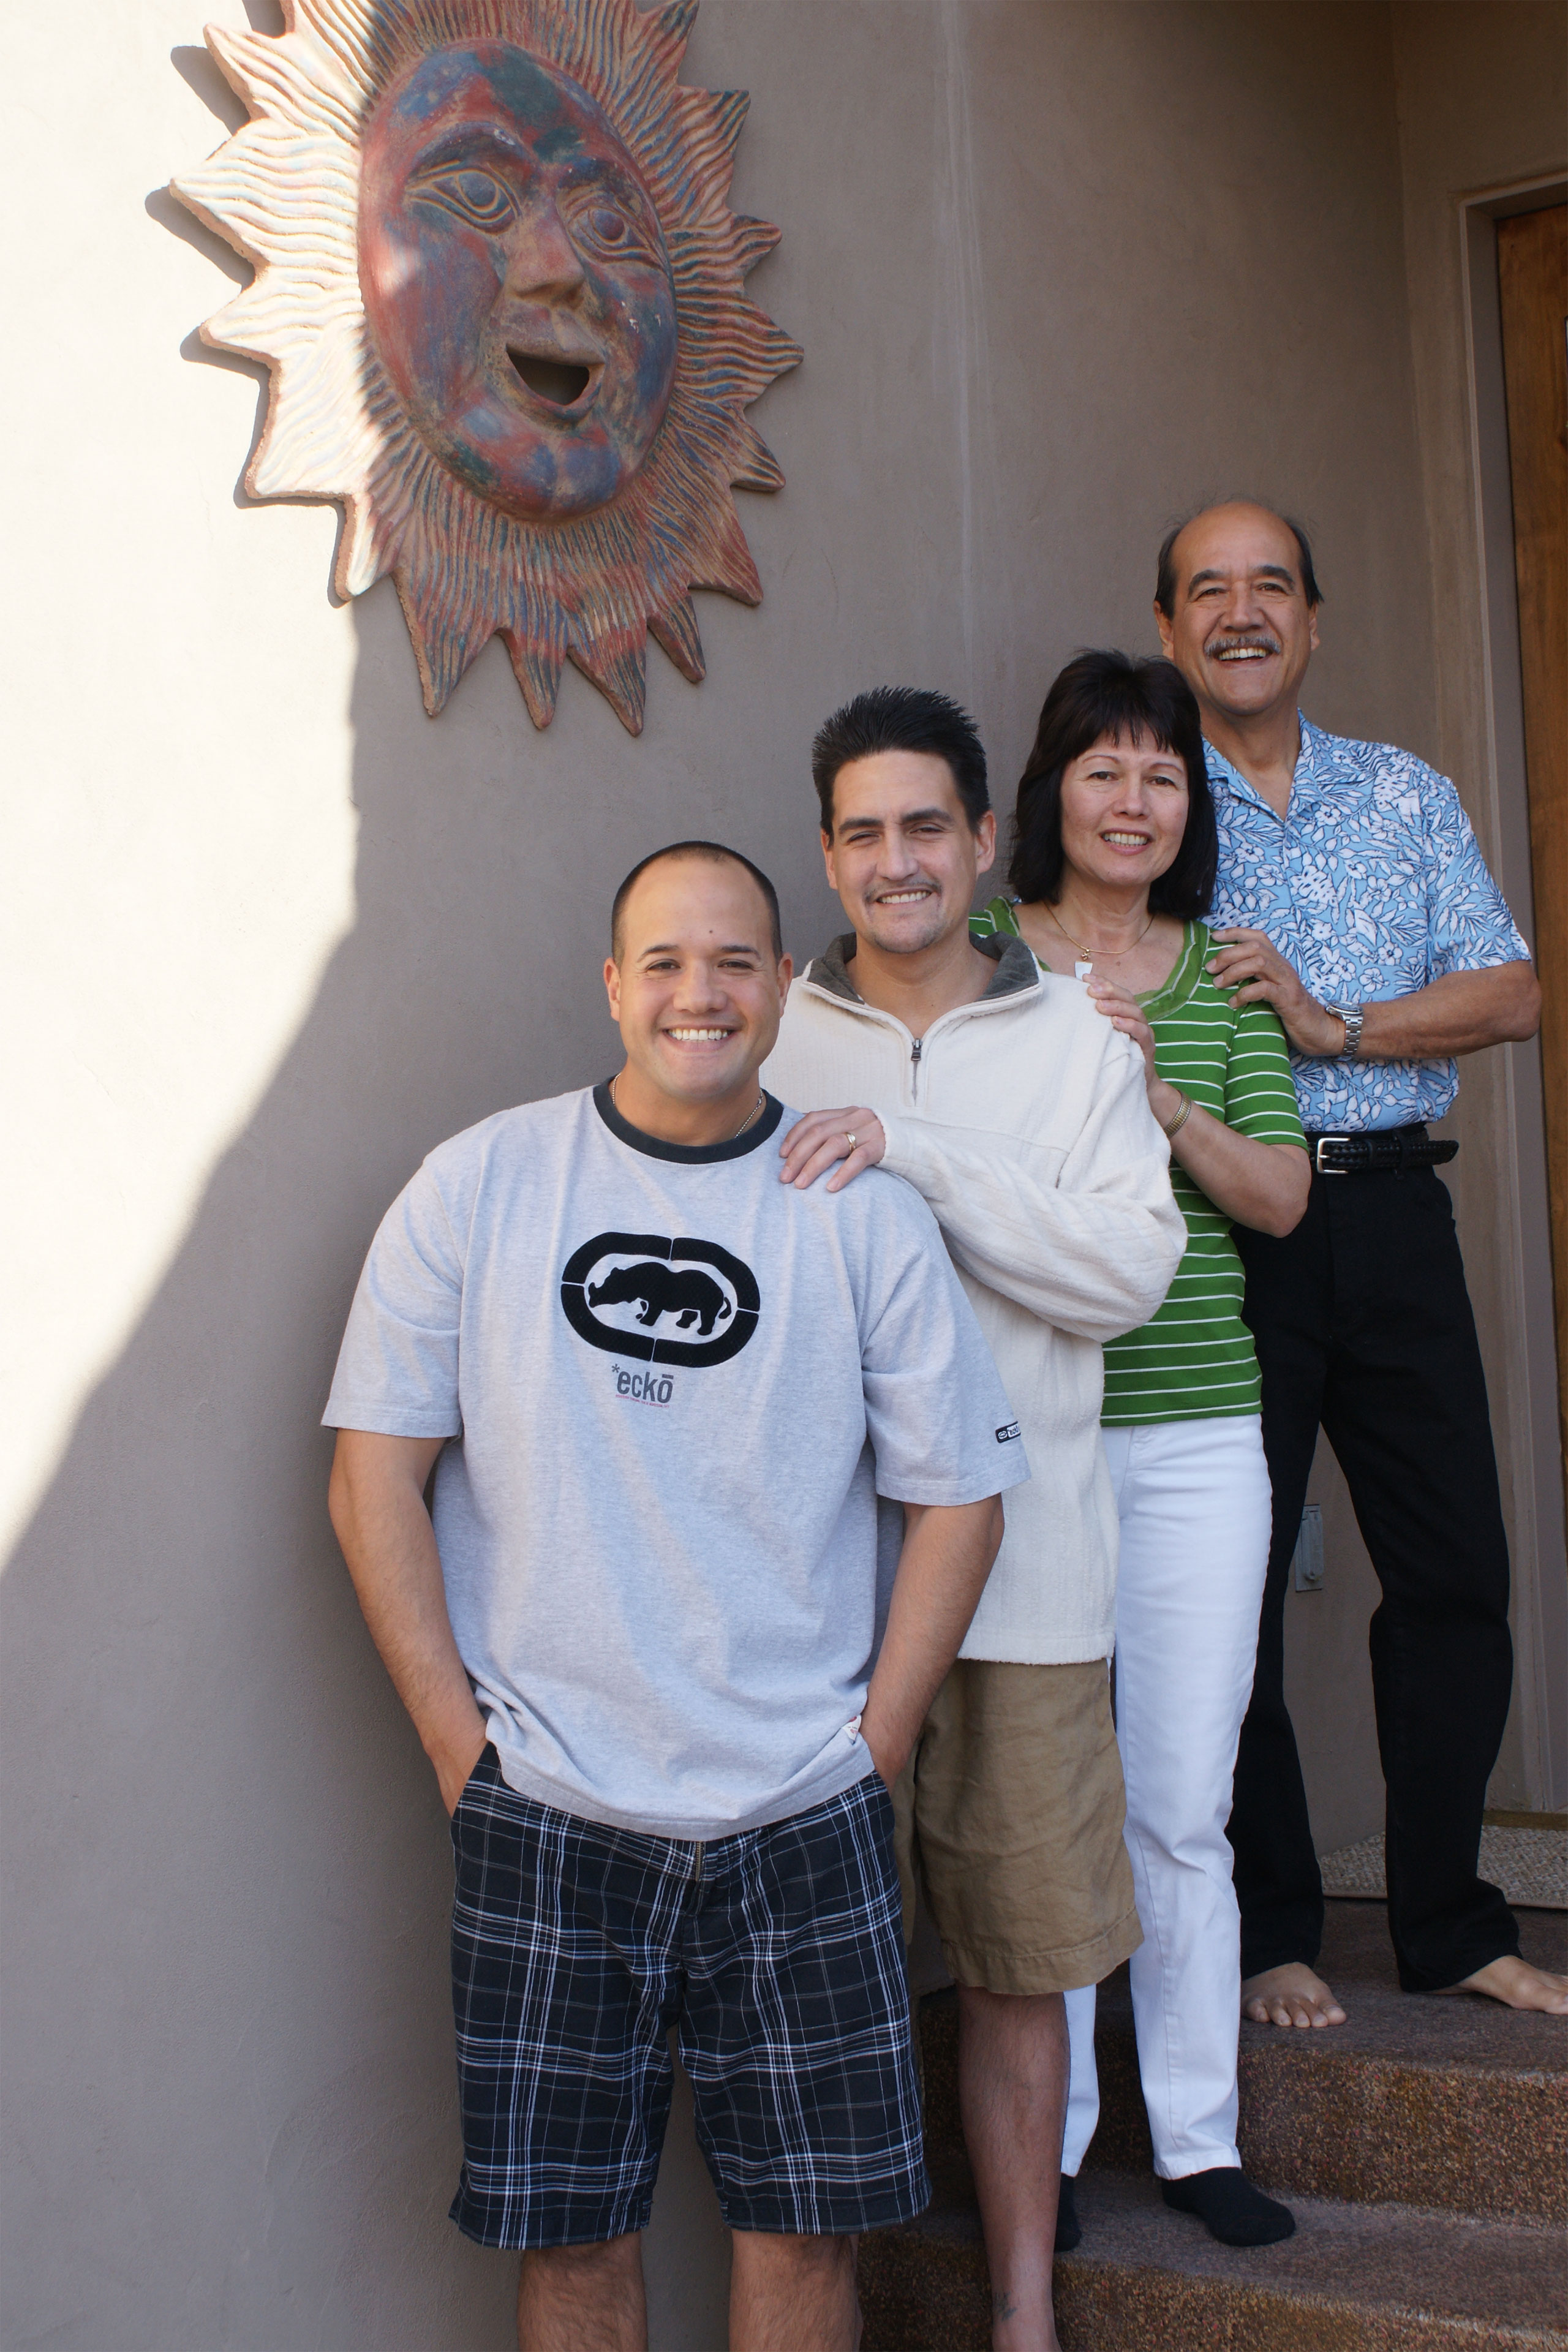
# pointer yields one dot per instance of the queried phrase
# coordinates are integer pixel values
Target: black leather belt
(1388, 1148)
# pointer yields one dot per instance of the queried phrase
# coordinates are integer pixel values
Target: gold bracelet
(1181, 1118)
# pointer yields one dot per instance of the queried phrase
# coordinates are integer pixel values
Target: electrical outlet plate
(1307, 1565)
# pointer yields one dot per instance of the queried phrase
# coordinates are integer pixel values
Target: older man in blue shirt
(1352, 897)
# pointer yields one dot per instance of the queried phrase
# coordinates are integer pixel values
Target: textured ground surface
(1423, 2147)
(1351, 2276)
(1530, 1865)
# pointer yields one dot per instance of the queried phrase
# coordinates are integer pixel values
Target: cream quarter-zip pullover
(1023, 1120)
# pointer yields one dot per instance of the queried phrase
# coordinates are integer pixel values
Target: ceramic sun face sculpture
(499, 293)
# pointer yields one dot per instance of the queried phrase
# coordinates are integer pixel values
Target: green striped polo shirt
(1195, 1361)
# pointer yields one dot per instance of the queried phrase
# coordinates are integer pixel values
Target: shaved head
(713, 853)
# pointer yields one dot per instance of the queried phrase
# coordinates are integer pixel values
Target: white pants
(1194, 1501)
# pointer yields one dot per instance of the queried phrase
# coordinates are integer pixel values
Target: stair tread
(1382, 2258)
(1427, 2102)
(1460, 2032)
(1414, 2028)
(1423, 2147)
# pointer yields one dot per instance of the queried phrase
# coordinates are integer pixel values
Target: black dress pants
(1363, 1323)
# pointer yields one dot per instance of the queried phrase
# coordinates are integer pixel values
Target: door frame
(1541, 1565)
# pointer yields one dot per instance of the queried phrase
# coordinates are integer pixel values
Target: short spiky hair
(1165, 571)
(901, 718)
(716, 853)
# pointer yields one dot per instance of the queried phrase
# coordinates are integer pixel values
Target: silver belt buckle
(1318, 1161)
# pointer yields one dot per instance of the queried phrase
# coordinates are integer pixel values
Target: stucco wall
(1060, 272)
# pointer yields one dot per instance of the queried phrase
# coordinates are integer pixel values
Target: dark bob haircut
(716, 854)
(1101, 694)
(901, 718)
(1165, 571)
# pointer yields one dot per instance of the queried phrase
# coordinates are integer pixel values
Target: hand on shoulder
(843, 1141)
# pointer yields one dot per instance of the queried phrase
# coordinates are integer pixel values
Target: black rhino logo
(694, 1286)
(691, 1298)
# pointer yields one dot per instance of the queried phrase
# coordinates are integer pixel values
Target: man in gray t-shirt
(641, 1633)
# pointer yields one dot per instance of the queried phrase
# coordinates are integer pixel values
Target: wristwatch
(1352, 1015)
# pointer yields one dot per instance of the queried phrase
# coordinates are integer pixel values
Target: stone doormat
(1530, 1865)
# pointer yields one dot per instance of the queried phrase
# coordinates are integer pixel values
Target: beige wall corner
(1482, 101)
(1328, 1673)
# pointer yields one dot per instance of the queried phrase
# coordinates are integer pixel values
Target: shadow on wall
(228, 2039)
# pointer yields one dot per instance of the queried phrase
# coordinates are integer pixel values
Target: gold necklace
(1107, 955)
(739, 1131)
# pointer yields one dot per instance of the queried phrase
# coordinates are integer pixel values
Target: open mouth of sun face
(563, 385)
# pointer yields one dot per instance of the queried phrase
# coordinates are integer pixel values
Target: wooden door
(1532, 263)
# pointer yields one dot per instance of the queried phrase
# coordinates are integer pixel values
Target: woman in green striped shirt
(1113, 863)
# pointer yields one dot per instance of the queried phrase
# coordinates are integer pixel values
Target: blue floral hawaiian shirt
(1372, 886)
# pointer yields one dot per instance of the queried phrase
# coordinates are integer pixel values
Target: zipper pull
(915, 1068)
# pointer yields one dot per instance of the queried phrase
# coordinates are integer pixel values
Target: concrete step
(1352, 2279)
(1453, 2104)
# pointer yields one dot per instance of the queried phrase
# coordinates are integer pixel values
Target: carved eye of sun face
(603, 225)
(475, 197)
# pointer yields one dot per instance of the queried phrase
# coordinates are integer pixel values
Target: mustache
(1241, 640)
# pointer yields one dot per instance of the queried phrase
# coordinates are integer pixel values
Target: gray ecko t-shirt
(675, 1389)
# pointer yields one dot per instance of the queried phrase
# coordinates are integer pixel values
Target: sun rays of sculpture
(499, 291)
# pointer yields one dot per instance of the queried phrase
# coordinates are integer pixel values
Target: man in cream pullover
(1022, 1118)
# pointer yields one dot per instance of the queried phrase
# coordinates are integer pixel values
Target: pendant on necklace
(1081, 970)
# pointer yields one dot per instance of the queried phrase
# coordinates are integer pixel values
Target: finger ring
(849, 1140)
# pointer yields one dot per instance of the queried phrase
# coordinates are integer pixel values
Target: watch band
(1352, 1015)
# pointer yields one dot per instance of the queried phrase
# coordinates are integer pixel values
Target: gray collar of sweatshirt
(1015, 968)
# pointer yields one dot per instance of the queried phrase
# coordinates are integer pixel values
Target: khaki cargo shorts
(1009, 1817)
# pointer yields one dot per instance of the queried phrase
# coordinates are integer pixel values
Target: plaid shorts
(777, 1955)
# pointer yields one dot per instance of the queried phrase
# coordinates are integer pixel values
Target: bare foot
(1291, 1995)
(1514, 1982)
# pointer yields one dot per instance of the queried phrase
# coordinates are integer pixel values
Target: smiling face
(1242, 631)
(1123, 813)
(515, 280)
(903, 857)
(695, 990)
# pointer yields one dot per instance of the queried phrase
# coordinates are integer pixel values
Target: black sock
(1236, 2213)
(1069, 2228)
